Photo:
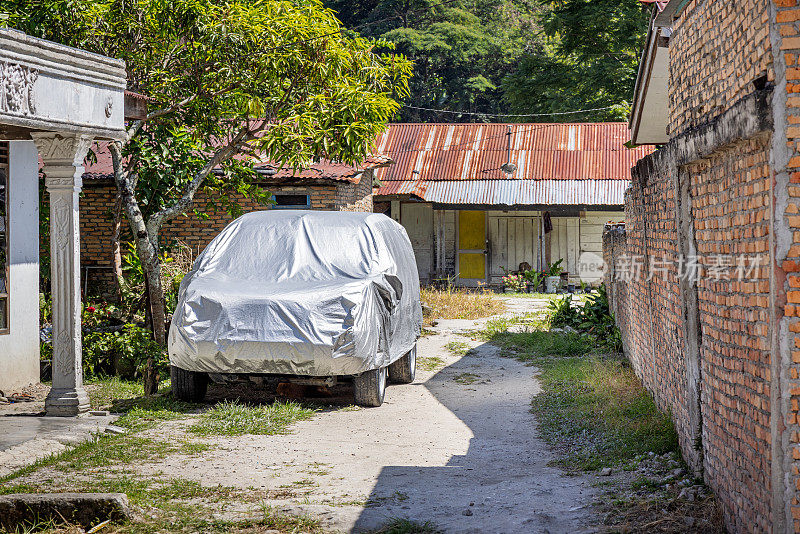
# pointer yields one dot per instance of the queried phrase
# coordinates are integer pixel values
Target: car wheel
(369, 387)
(402, 371)
(188, 385)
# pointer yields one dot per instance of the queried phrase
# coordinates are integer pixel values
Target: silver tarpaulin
(299, 292)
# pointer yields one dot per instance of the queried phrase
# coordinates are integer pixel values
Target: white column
(63, 156)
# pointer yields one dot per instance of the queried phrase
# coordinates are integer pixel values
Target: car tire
(403, 370)
(369, 387)
(188, 385)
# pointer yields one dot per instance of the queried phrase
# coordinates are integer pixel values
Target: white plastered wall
(19, 350)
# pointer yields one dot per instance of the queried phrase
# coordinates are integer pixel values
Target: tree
(461, 49)
(232, 77)
(588, 58)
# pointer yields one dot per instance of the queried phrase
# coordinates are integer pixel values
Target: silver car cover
(315, 293)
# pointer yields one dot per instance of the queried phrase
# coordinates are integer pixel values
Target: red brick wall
(729, 197)
(97, 203)
(716, 51)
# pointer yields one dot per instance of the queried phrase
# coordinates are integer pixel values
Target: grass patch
(596, 412)
(397, 525)
(236, 419)
(534, 345)
(104, 391)
(431, 363)
(455, 303)
(457, 348)
(466, 378)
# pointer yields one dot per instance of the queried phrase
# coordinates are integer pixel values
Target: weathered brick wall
(97, 203)
(717, 50)
(726, 205)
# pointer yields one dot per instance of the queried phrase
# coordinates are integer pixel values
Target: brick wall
(712, 375)
(717, 50)
(97, 203)
(716, 349)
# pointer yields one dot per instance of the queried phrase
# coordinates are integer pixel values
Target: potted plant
(514, 282)
(553, 280)
(534, 280)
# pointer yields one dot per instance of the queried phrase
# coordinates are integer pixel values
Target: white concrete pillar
(63, 157)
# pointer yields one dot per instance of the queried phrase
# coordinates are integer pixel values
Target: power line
(509, 115)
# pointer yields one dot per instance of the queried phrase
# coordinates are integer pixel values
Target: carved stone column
(63, 167)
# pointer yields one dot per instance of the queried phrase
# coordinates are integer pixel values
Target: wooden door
(472, 246)
(417, 219)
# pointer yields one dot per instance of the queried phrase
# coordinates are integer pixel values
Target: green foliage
(588, 59)
(461, 50)
(562, 313)
(593, 318)
(555, 268)
(235, 419)
(596, 319)
(123, 352)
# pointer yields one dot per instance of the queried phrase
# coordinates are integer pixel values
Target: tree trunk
(116, 253)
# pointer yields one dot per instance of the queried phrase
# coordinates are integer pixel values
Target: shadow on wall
(502, 483)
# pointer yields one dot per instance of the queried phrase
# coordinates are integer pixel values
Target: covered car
(300, 293)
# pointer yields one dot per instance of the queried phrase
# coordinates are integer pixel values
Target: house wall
(97, 204)
(513, 237)
(19, 350)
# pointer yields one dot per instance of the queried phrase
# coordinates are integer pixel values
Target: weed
(431, 363)
(399, 525)
(235, 419)
(598, 414)
(466, 378)
(453, 303)
(533, 345)
(457, 348)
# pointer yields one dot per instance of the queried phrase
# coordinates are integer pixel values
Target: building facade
(478, 200)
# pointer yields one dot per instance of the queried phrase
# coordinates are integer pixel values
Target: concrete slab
(26, 438)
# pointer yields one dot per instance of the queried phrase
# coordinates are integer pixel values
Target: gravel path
(464, 456)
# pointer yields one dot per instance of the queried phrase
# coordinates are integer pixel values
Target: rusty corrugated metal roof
(512, 192)
(541, 151)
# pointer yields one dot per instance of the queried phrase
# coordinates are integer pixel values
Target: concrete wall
(19, 350)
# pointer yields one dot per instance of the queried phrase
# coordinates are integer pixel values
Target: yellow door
(472, 245)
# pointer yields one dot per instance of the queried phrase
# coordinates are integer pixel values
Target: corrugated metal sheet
(512, 192)
(541, 151)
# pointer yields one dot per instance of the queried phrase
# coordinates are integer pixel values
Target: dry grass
(670, 516)
(455, 303)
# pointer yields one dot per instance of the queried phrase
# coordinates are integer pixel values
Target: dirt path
(462, 455)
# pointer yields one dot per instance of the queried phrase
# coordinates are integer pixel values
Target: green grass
(397, 525)
(596, 412)
(533, 345)
(236, 419)
(592, 407)
(457, 348)
(103, 391)
(431, 363)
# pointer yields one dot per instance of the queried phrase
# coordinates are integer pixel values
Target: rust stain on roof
(540, 151)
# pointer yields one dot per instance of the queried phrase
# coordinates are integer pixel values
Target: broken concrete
(84, 509)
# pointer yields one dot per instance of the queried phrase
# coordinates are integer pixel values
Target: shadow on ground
(503, 483)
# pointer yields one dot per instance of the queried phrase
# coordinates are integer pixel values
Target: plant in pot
(553, 279)
(534, 280)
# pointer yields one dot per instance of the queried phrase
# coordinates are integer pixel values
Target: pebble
(606, 471)
(467, 512)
